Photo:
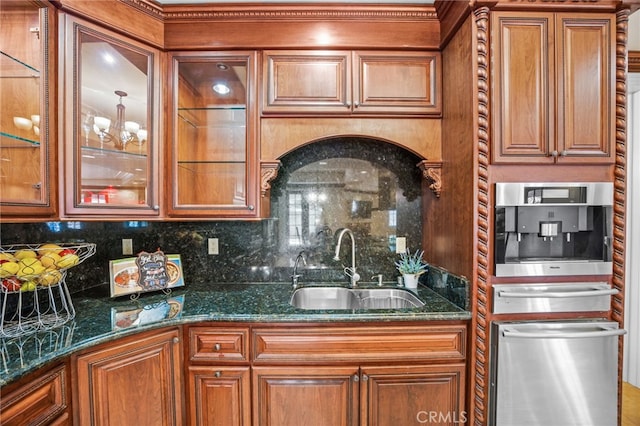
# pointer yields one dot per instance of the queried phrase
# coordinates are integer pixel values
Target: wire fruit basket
(33, 291)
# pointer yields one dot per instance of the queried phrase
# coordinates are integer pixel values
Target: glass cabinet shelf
(214, 117)
(8, 140)
(14, 68)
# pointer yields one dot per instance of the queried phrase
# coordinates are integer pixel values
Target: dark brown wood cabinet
(218, 376)
(219, 395)
(212, 153)
(553, 87)
(359, 375)
(28, 88)
(345, 82)
(134, 381)
(312, 396)
(412, 394)
(44, 400)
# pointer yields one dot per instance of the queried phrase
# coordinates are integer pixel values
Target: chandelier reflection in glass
(123, 132)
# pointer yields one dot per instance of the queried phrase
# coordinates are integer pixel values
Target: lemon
(67, 261)
(50, 277)
(25, 254)
(8, 268)
(29, 267)
(49, 248)
(50, 260)
(28, 286)
(5, 255)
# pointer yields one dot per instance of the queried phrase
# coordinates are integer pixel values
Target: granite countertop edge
(206, 302)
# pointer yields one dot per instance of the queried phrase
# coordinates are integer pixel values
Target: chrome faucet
(354, 277)
(295, 275)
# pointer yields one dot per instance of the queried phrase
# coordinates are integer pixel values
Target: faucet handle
(378, 278)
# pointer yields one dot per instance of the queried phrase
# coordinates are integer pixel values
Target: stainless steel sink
(354, 298)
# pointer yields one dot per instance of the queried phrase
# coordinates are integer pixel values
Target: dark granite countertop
(95, 321)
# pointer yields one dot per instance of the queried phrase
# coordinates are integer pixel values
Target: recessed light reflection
(221, 89)
(108, 58)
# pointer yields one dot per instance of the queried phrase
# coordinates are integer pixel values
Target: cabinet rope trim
(479, 363)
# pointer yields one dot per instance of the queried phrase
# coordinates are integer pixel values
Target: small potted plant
(411, 266)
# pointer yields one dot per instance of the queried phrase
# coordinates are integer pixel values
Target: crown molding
(285, 12)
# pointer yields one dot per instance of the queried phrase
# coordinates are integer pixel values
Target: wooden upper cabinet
(553, 87)
(212, 152)
(344, 82)
(111, 157)
(28, 102)
(318, 81)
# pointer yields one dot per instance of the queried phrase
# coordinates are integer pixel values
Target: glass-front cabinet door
(213, 156)
(27, 98)
(111, 160)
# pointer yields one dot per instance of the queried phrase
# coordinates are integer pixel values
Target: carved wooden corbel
(431, 171)
(268, 172)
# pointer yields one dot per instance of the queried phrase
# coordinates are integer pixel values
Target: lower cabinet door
(305, 396)
(134, 381)
(42, 401)
(415, 394)
(219, 396)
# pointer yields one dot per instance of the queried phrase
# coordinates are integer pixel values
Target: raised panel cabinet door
(38, 402)
(413, 394)
(397, 82)
(305, 396)
(304, 81)
(585, 49)
(523, 87)
(219, 396)
(134, 381)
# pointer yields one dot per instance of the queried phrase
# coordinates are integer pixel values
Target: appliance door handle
(605, 332)
(559, 294)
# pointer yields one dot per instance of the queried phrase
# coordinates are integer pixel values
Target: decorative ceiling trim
(297, 12)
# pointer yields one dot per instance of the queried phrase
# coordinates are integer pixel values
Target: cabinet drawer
(37, 402)
(218, 344)
(358, 344)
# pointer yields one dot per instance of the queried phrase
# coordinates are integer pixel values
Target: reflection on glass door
(114, 157)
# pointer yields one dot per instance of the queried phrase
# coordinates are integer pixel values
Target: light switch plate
(401, 244)
(127, 246)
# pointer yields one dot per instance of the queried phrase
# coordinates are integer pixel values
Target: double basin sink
(336, 298)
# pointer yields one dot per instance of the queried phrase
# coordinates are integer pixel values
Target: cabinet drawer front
(357, 344)
(37, 402)
(213, 344)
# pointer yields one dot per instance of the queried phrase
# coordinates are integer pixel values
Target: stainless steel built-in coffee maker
(547, 229)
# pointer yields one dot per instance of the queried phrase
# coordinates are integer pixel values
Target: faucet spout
(354, 277)
(295, 275)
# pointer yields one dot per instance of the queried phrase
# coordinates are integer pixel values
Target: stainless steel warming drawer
(552, 297)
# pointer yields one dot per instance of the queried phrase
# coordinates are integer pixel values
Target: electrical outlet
(212, 244)
(127, 246)
(401, 244)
